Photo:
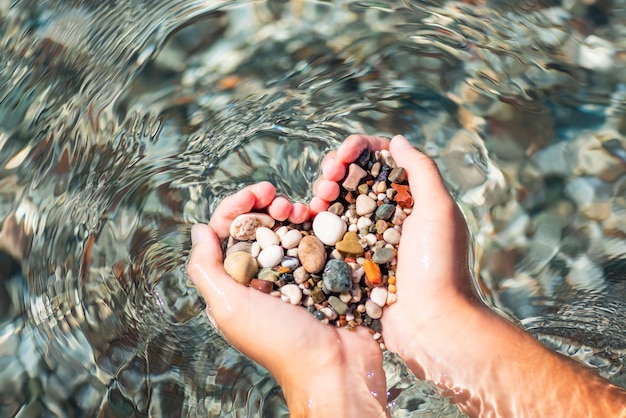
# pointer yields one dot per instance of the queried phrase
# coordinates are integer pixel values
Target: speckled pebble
(337, 276)
(244, 226)
(383, 255)
(312, 254)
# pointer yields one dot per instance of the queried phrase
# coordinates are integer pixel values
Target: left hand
(323, 370)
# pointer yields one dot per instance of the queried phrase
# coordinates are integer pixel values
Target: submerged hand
(323, 370)
(434, 285)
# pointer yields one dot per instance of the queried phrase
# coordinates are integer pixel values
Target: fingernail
(199, 234)
(401, 142)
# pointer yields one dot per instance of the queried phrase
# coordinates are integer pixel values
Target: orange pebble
(372, 272)
(392, 288)
(392, 280)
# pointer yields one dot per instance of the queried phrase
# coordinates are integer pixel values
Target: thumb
(422, 172)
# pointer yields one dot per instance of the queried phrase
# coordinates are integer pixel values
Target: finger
(251, 197)
(422, 173)
(326, 190)
(354, 145)
(334, 170)
(300, 213)
(318, 205)
(280, 208)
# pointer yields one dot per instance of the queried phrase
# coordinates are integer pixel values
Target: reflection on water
(123, 123)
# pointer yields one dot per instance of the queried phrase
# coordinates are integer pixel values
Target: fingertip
(264, 193)
(280, 208)
(318, 205)
(327, 190)
(300, 213)
(334, 170)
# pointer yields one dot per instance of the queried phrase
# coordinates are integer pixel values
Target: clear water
(124, 123)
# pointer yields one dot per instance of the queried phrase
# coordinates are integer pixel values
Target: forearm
(489, 367)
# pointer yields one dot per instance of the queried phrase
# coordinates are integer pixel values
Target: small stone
(244, 226)
(241, 266)
(255, 249)
(345, 297)
(373, 310)
(329, 228)
(392, 236)
(375, 170)
(385, 211)
(282, 231)
(391, 298)
(339, 306)
(363, 222)
(403, 196)
(262, 285)
(397, 175)
(300, 275)
(244, 246)
(399, 216)
(383, 255)
(337, 276)
(266, 237)
(373, 277)
(312, 254)
(290, 262)
(365, 205)
(292, 292)
(384, 173)
(291, 239)
(381, 226)
(363, 188)
(271, 256)
(378, 295)
(354, 176)
(318, 295)
(268, 274)
(329, 313)
(350, 245)
(364, 157)
(385, 156)
(336, 208)
(319, 315)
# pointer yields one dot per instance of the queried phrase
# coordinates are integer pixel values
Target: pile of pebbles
(340, 266)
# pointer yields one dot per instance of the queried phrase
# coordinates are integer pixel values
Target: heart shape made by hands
(341, 265)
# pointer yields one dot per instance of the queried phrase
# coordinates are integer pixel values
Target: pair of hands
(323, 368)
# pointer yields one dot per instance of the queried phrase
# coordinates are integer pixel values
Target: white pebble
(282, 231)
(364, 222)
(308, 301)
(353, 228)
(292, 292)
(378, 295)
(349, 317)
(336, 255)
(275, 293)
(300, 275)
(270, 256)
(392, 236)
(266, 237)
(370, 239)
(376, 336)
(381, 196)
(365, 205)
(255, 249)
(345, 297)
(292, 252)
(373, 310)
(391, 298)
(329, 228)
(360, 308)
(329, 313)
(291, 239)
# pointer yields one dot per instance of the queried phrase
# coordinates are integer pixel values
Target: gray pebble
(383, 255)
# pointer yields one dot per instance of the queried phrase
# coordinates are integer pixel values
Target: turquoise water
(124, 123)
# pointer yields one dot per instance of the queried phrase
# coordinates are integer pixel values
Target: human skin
(438, 325)
(323, 371)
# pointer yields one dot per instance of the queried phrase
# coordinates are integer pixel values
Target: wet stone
(337, 276)
(241, 266)
(365, 205)
(336, 208)
(350, 245)
(269, 274)
(329, 228)
(397, 175)
(383, 255)
(385, 211)
(338, 305)
(264, 286)
(354, 176)
(244, 226)
(312, 254)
